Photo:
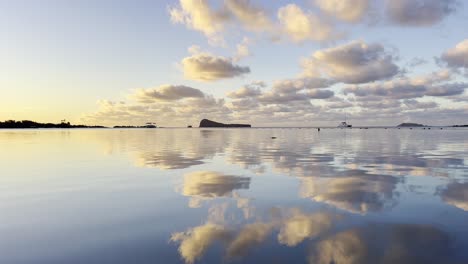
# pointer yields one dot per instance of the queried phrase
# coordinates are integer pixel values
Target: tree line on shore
(32, 124)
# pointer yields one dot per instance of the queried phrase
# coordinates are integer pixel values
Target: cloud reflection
(358, 193)
(456, 194)
(292, 225)
(168, 161)
(374, 244)
(250, 236)
(195, 241)
(209, 184)
(301, 226)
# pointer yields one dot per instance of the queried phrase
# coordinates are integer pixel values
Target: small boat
(150, 125)
(344, 125)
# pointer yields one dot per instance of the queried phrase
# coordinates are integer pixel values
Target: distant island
(460, 126)
(209, 123)
(410, 125)
(32, 124)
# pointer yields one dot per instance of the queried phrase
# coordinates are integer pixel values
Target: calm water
(234, 196)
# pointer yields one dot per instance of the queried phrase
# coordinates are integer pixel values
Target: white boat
(344, 125)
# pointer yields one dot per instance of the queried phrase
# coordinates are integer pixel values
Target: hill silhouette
(209, 123)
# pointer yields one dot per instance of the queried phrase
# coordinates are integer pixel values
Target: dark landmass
(32, 124)
(146, 126)
(410, 125)
(460, 126)
(209, 123)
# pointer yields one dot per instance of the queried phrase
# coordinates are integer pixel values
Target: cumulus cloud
(415, 104)
(186, 110)
(252, 17)
(345, 10)
(167, 93)
(242, 49)
(392, 89)
(301, 26)
(294, 85)
(293, 22)
(448, 89)
(198, 15)
(419, 12)
(320, 94)
(355, 62)
(284, 98)
(457, 57)
(434, 84)
(247, 91)
(203, 66)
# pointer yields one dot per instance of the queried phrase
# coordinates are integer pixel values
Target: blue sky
(113, 62)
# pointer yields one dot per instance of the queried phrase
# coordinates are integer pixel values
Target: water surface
(234, 196)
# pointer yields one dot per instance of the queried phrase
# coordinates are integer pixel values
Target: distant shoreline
(26, 124)
(231, 128)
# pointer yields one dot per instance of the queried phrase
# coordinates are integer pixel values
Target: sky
(266, 63)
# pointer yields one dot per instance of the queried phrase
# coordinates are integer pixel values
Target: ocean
(272, 195)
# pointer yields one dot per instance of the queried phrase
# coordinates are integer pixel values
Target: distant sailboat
(344, 124)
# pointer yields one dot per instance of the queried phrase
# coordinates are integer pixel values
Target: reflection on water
(208, 184)
(354, 191)
(234, 195)
(456, 194)
(399, 243)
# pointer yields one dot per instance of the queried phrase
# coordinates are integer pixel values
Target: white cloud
(355, 62)
(301, 26)
(457, 57)
(297, 84)
(345, 10)
(167, 93)
(253, 18)
(198, 15)
(203, 66)
(247, 91)
(434, 84)
(419, 12)
(242, 49)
